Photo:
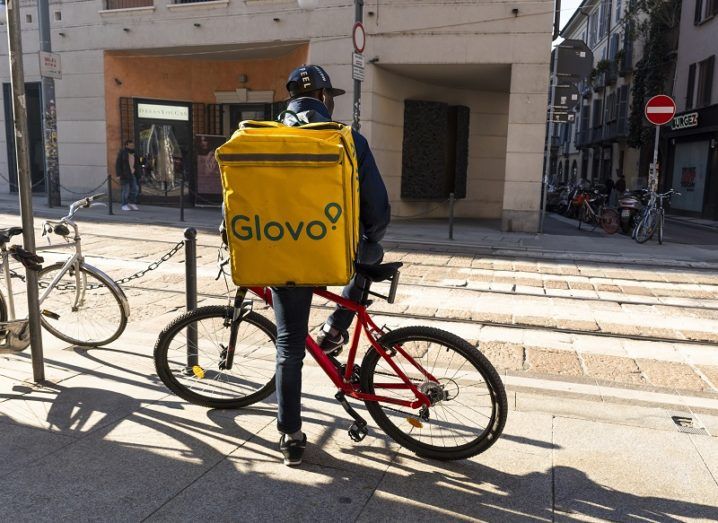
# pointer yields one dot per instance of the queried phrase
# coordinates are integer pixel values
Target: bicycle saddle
(9, 232)
(380, 272)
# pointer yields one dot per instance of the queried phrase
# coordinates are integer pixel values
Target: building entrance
(34, 128)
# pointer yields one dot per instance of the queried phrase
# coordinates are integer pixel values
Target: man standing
(125, 168)
(312, 100)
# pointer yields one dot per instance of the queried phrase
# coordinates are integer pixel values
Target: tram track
(490, 323)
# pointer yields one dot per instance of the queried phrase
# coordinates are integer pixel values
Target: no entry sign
(660, 109)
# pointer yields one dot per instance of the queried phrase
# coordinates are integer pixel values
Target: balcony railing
(127, 4)
(616, 130)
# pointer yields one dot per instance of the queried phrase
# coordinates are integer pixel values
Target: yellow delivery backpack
(291, 202)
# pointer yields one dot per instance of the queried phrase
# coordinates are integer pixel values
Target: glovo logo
(249, 228)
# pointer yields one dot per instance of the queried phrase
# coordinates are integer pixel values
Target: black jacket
(374, 210)
(122, 165)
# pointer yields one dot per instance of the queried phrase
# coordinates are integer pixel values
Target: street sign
(575, 59)
(564, 117)
(358, 66)
(359, 37)
(660, 109)
(50, 66)
(567, 96)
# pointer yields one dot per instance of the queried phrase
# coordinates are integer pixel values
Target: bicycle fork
(240, 309)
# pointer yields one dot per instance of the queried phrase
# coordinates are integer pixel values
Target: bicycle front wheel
(468, 401)
(83, 308)
(190, 352)
(646, 227)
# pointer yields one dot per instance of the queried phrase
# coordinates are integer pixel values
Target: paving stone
(611, 492)
(672, 375)
(460, 261)
(558, 362)
(503, 356)
(711, 373)
(581, 285)
(612, 368)
(555, 284)
(490, 317)
(707, 336)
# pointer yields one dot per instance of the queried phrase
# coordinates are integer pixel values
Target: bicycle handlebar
(84, 202)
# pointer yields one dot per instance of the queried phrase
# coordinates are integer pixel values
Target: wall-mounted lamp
(275, 19)
(370, 13)
(197, 24)
(374, 60)
(515, 11)
(126, 29)
(118, 81)
(62, 34)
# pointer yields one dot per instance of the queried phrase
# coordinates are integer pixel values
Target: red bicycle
(429, 390)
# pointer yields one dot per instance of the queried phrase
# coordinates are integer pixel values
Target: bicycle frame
(343, 380)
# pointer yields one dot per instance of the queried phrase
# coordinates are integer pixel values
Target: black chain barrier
(139, 274)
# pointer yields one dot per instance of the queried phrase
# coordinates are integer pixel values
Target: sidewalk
(103, 440)
(561, 241)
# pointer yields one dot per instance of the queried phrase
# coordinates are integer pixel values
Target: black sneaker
(292, 449)
(331, 342)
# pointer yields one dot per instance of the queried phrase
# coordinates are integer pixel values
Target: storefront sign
(163, 112)
(684, 121)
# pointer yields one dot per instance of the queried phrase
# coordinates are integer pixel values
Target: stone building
(178, 75)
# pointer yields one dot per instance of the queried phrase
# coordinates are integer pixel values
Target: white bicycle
(79, 303)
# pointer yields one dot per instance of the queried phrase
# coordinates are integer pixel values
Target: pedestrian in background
(126, 167)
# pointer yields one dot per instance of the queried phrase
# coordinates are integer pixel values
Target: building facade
(692, 148)
(178, 75)
(593, 147)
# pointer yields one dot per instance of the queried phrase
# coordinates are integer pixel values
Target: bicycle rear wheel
(83, 308)
(610, 221)
(193, 371)
(469, 407)
(647, 226)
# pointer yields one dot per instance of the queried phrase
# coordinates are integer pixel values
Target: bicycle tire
(55, 318)
(610, 221)
(581, 216)
(3, 308)
(482, 367)
(646, 227)
(163, 359)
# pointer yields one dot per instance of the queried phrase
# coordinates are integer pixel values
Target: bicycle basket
(14, 336)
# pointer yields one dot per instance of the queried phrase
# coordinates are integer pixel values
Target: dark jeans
(129, 191)
(291, 311)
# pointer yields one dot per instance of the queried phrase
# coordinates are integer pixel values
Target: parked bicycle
(429, 390)
(79, 303)
(654, 217)
(593, 211)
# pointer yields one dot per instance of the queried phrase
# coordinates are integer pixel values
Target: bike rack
(190, 256)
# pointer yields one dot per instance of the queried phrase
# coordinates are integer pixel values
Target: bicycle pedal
(358, 433)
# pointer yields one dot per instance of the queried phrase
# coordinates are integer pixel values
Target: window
(127, 4)
(597, 114)
(592, 28)
(602, 29)
(618, 10)
(611, 107)
(705, 9)
(705, 82)
(691, 86)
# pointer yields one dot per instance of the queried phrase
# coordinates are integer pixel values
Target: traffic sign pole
(358, 18)
(659, 110)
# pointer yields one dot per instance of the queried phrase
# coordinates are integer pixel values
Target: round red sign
(359, 37)
(660, 109)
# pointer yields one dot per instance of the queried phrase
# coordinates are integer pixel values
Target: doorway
(34, 130)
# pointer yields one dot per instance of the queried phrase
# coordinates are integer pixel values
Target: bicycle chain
(139, 274)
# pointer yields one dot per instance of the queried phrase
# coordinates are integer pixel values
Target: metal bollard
(452, 200)
(109, 195)
(190, 256)
(182, 200)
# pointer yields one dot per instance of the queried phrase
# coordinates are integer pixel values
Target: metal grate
(127, 119)
(686, 423)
